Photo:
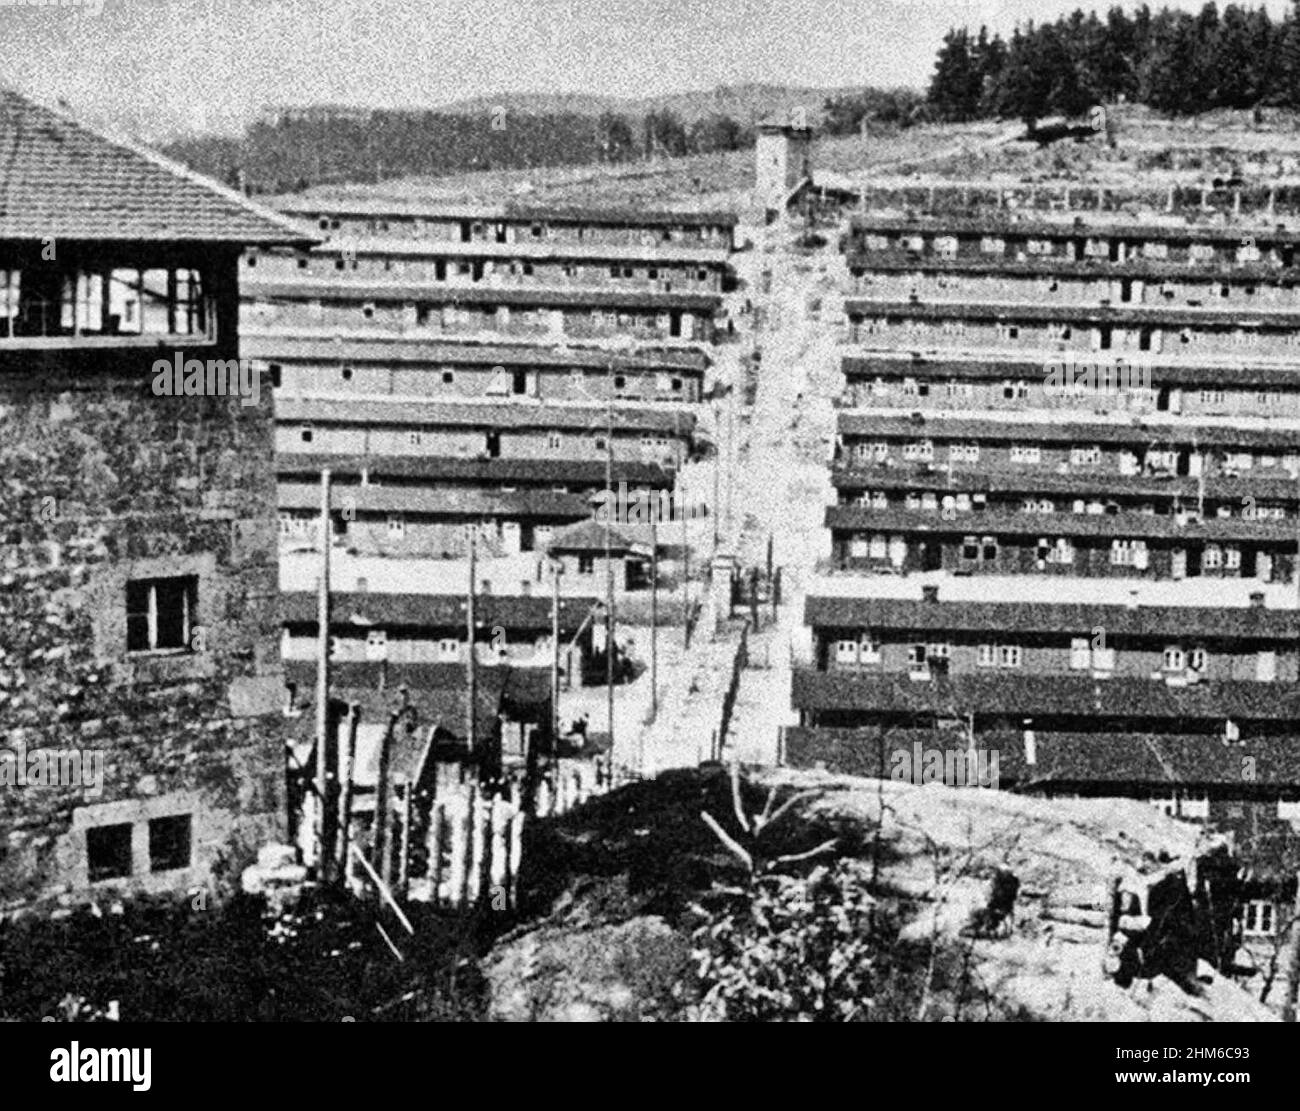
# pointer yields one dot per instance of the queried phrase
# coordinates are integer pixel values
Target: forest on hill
(1177, 62)
(292, 149)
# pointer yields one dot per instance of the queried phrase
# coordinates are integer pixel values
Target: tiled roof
(422, 501)
(1227, 372)
(290, 349)
(992, 224)
(455, 469)
(439, 293)
(903, 262)
(1149, 525)
(438, 691)
(992, 479)
(317, 204)
(62, 179)
(1152, 760)
(479, 414)
(589, 536)
(1062, 619)
(435, 611)
(382, 246)
(1125, 316)
(1044, 695)
(1022, 429)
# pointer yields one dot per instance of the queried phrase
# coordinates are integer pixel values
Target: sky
(154, 66)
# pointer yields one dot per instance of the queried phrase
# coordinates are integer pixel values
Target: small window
(108, 852)
(448, 377)
(306, 435)
(159, 613)
(1258, 918)
(169, 843)
(346, 373)
(586, 565)
(1080, 653)
(396, 526)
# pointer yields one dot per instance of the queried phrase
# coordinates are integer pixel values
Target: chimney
(930, 593)
(1257, 599)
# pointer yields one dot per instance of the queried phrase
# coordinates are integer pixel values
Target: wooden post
(323, 677)
(555, 668)
(467, 854)
(436, 818)
(609, 566)
(1293, 964)
(346, 775)
(379, 851)
(404, 858)
(1110, 959)
(471, 655)
(487, 823)
(686, 565)
(654, 622)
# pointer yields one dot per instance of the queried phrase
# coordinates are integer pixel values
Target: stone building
(139, 619)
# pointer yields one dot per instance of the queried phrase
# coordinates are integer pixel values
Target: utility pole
(654, 611)
(555, 669)
(471, 656)
(731, 450)
(323, 677)
(717, 458)
(686, 561)
(609, 567)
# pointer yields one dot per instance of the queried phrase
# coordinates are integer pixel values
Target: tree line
(298, 149)
(293, 150)
(1174, 61)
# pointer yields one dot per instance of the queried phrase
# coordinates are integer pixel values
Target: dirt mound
(618, 889)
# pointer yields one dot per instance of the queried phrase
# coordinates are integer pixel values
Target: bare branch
(732, 845)
(792, 858)
(735, 797)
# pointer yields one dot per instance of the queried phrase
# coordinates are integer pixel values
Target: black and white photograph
(762, 511)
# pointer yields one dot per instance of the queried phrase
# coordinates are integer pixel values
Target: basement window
(159, 613)
(169, 843)
(1258, 918)
(108, 852)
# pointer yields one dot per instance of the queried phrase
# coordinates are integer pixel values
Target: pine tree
(954, 88)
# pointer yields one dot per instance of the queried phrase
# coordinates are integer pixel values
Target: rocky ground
(614, 890)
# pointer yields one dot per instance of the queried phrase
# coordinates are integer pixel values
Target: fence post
(436, 818)
(486, 821)
(467, 849)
